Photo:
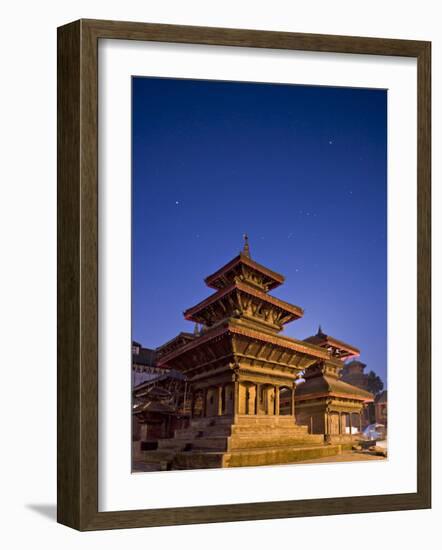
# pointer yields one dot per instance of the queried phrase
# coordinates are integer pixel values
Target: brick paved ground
(345, 456)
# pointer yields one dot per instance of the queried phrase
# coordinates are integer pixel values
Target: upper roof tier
(338, 348)
(244, 269)
(242, 291)
(243, 300)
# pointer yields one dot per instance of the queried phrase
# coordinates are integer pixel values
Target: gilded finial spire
(246, 249)
(320, 330)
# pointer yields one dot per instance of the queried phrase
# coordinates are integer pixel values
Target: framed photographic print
(243, 275)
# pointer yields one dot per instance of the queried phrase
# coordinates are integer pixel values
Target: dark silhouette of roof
(169, 375)
(145, 356)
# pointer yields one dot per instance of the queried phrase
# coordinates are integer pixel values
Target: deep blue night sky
(301, 169)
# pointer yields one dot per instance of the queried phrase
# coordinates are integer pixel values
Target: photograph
(224, 219)
(259, 274)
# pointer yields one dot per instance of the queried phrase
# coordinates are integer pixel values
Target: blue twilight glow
(301, 169)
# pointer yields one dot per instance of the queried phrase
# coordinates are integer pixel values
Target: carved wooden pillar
(236, 398)
(220, 400)
(350, 423)
(292, 408)
(277, 400)
(257, 396)
(360, 421)
(230, 391)
(247, 399)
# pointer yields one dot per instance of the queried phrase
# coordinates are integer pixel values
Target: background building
(380, 407)
(353, 373)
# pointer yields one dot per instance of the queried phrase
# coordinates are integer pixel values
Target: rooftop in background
(142, 356)
(174, 343)
(354, 367)
(144, 364)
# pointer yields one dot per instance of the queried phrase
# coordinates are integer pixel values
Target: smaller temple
(159, 407)
(326, 403)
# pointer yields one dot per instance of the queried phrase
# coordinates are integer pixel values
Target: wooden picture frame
(78, 274)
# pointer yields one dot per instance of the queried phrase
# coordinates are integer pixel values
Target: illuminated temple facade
(246, 404)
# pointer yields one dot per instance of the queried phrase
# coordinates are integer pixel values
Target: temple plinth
(239, 369)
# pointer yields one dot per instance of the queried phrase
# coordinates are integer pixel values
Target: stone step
(172, 444)
(161, 458)
(218, 430)
(186, 445)
(209, 443)
(190, 433)
(277, 430)
(200, 423)
(237, 443)
(197, 460)
(265, 420)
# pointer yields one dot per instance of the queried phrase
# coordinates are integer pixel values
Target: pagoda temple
(239, 367)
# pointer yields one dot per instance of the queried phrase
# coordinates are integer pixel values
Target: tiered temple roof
(241, 308)
(242, 292)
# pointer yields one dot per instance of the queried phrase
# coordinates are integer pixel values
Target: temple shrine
(326, 403)
(246, 404)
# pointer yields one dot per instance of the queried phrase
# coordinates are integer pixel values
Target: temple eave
(233, 329)
(291, 311)
(334, 395)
